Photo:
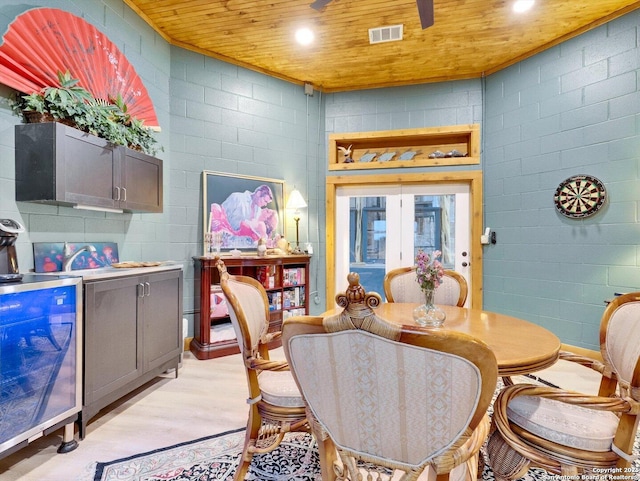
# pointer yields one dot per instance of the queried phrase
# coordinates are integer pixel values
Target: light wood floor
(208, 397)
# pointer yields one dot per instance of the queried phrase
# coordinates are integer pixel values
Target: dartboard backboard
(580, 196)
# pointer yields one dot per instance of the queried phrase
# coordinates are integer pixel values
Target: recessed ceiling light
(523, 5)
(304, 36)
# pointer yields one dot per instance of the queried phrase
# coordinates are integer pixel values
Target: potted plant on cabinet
(73, 105)
(31, 108)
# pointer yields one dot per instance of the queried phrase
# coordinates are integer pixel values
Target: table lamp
(295, 203)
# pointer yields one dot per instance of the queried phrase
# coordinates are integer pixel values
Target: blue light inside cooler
(37, 357)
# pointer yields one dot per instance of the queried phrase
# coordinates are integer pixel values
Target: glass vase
(428, 314)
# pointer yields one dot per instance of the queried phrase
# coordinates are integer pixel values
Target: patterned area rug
(216, 457)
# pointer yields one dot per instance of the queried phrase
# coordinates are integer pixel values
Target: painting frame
(240, 227)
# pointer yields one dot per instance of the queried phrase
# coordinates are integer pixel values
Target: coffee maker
(9, 230)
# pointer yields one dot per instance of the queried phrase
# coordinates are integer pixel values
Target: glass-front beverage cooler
(40, 359)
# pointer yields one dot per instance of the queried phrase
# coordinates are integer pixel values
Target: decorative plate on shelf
(387, 156)
(580, 196)
(409, 154)
(368, 157)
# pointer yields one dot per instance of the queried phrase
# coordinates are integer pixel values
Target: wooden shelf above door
(424, 141)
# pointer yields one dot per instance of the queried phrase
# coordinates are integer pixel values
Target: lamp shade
(296, 201)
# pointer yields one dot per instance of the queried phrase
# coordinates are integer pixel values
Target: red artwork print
(41, 42)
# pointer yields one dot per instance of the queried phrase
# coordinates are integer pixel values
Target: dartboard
(580, 196)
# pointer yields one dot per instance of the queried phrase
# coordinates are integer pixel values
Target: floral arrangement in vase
(429, 270)
(429, 274)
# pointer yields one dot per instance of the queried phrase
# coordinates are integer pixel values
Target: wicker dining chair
(400, 285)
(275, 404)
(570, 433)
(383, 398)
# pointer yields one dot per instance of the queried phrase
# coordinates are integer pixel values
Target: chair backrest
(249, 309)
(385, 393)
(388, 399)
(620, 341)
(401, 285)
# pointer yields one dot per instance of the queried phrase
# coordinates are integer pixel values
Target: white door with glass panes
(380, 228)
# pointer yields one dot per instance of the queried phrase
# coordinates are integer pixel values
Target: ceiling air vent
(385, 34)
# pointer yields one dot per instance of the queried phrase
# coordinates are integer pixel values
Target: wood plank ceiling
(470, 38)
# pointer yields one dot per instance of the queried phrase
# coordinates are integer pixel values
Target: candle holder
(212, 242)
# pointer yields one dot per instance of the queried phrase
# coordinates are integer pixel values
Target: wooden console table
(286, 280)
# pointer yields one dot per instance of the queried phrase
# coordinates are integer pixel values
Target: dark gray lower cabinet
(132, 333)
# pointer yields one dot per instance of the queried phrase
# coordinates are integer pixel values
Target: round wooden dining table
(520, 347)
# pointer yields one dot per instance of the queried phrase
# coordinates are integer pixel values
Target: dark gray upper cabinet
(57, 164)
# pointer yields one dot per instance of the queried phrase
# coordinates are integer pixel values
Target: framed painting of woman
(239, 211)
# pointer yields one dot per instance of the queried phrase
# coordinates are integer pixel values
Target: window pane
(368, 240)
(434, 226)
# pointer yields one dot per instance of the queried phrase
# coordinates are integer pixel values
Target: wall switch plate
(484, 239)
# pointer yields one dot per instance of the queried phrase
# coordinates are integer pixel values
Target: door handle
(141, 290)
(117, 191)
(147, 289)
(124, 194)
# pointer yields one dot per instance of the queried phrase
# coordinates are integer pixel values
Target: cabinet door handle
(124, 194)
(147, 289)
(117, 189)
(141, 290)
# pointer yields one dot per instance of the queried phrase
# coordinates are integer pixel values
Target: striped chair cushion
(280, 389)
(565, 424)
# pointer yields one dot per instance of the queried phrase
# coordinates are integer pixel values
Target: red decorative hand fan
(43, 41)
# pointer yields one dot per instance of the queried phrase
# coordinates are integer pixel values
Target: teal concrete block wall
(139, 236)
(229, 119)
(429, 105)
(213, 115)
(570, 110)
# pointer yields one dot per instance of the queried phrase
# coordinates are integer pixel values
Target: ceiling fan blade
(425, 10)
(320, 4)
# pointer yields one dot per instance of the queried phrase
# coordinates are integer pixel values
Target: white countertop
(103, 273)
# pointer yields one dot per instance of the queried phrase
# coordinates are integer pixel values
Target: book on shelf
(293, 276)
(293, 312)
(293, 297)
(286, 299)
(275, 301)
(218, 303)
(266, 275)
